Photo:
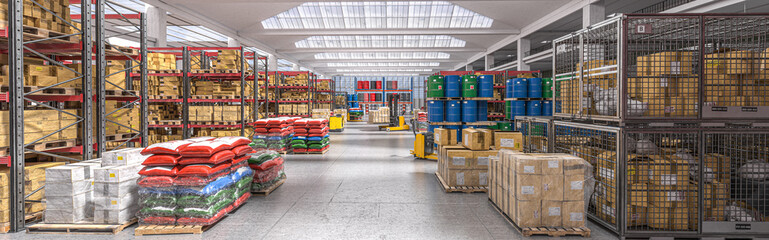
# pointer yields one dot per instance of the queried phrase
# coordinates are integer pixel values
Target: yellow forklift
(397, 122)
(424, 144)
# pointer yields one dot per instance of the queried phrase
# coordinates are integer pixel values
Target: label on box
(675, 196)
(483, 178)
(675, 67)
(527, 189)
(668, 179)
(458, 160)
(663, 82)
(536, 213)
(113, 202)
(528, 169)
(507, 142)
(552, 164)
(670, 109)
(438, 136)
(554, 211)
(546, 187)
(576, 217)
(576, 185)
(112, 175)
(483, 161)
(460, 178)
(606, 173)
(608, 210)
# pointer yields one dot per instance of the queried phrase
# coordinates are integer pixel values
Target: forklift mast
(392, 103)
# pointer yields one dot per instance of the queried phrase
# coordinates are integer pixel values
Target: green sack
(196, 200)
(299, 146)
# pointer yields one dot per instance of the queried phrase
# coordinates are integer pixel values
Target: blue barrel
(431, 128)
(453, 86)
(459, 131)
(534, 108)
(520, 88)
(547, 108)
(469, 111)
(486, 86)
(453, 111)
(355, 105)
(483, 111)
(354, 97)
(534, 87)
(517, 108)
(435, 111)
(509, 88)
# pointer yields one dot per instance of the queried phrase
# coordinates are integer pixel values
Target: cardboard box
(636, 216)
(488, 136)
(639, 195)
(665, 196)
(528, 213)
(474, 139)
(470, 178)
(552, 213)
(460, 159)
(553, 187)
(574, 187)
(527, 164)
(663, 172)
(445, 137)
(573, 214)
(528, 187)
(482, 158)
(508, 140)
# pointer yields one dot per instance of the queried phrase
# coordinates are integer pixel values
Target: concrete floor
(366, 187)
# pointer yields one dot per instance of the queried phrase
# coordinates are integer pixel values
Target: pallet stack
(268, 171)
(163, 86)
(35, 16)
(227, 60)
(381, 115)
(161, 61)
(34, 178)
(311, 136)
(38, 123)
(274, 134)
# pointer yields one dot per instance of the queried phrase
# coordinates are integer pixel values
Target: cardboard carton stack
(128, 117)
(293, 109)
(321, 113)
(227, 60)
(115, 191)
(736, 78)
(164, 86)
(540, 190)
(38, 123)
(69, 195)
(35, 16)
(164, 111)
(381, 115)
(666, 83)
(227, 113)
(296, 80)
(466, 163)
(34, 178)
(161, 61)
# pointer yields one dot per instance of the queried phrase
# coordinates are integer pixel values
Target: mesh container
(537, 132)
(598, 145)
(567, 80)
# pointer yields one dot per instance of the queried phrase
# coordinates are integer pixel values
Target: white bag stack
(89, 166)
(115, 189)
(67, 192)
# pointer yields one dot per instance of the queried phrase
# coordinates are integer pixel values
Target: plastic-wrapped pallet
(115, 193)
(67, 192)
(268, 169)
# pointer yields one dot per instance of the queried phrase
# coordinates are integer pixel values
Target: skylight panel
(384, 70)
(377, 15)
(381, 64)
(381, 41)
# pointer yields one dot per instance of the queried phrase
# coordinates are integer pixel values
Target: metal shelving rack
(262, 105)
(279, 88)
(56, 50)
(316, 103)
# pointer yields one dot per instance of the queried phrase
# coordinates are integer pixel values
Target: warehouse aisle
(366, 187)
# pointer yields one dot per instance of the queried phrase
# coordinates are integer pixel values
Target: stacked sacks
(268, 169)
(194, 181)
(299, 141)
(273, 133)
(317, 135)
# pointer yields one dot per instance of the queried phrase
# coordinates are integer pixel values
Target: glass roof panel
(383, 55)
(381, 41)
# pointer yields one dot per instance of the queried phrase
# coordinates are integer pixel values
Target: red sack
(317, 134)
(200, 139)
(275, 121)
(161, 160)
(204, 149)
(301, 130)
(268, 164)
(159, 171)
(239, 160)
(318, 131)
(268, 174)
(218, 157)
(202, 170)
(242, 150)
(300, 134)
(156, 181)
(261, 130)
(170, 147)
(155, 220)
(234, 141)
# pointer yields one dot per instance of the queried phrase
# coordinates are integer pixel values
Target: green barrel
(508, 112)
(547, 88)
(435, 85)
(469, 86)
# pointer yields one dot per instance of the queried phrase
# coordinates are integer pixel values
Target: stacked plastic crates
(653, 101)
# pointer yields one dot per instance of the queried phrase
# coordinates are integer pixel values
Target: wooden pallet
(33, 217)
(53, 145)
(79, 228)
(120, 93)
(53, 91)
(215, 122)
(164, 97)
(167, 71)
(321, 152)
(35, 33)
(119, 137)
(548, 231)
(178, 229)
(165, 122)
(269, 189)
(459, 188)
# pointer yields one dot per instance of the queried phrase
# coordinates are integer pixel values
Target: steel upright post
(16, 111)
(143, 108)
(101, 72)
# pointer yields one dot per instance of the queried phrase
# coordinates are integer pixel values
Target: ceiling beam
(559, 13)
(383, 31)
(702, 6)
(333, 50)
(379, 61)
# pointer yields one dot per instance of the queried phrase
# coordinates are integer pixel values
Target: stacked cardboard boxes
(69, 193)
(293, 109)
(321, 113)
(163, 86)
(35, 16)
(381, 115)
(540, 190)
(227, 60)
(164, 111)
(201, 113)
(128, 117)
(736, 78)
(34, 178)
(226, 113)
(38, 123)
(161, 61)
(667, 84)
(466, 163)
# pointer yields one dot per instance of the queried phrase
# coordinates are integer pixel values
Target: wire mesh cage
(736, 181)
(665, 67)
(537, 132)
(597, 145)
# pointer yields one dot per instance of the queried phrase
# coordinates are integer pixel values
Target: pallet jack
(424, 144)
(397, 122)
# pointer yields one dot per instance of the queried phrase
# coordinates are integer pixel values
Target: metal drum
(520, 88)
(469, 111)
(483, 111)
(534, 88)
(486, 86)
(453, 86)
(435, 86)
(453, 111)
(469, 86)
(435, 111)
(534, 108)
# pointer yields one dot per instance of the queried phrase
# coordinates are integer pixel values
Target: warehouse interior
(313, 119)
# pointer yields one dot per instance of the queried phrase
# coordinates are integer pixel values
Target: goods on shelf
(34, 178)
(227, 60)
(165, 86)
(127, 116)
(268, 169)
(541, 190)
(298, 79)
(195, 181)
(164, 111)
(274, 133)
(293, 109)
(115, 191)
(38, 123)
(311, 135)
(289, 95)
(381, 115)
(321, 113)
(161, 61)
(166, 135)
(35, 16)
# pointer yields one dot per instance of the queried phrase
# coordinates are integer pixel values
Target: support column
(469, 67)
(157, 22)
(524, 46)
(295, 67)
(489, 62)
(593, 13)
(231, 42)
(272, 62)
